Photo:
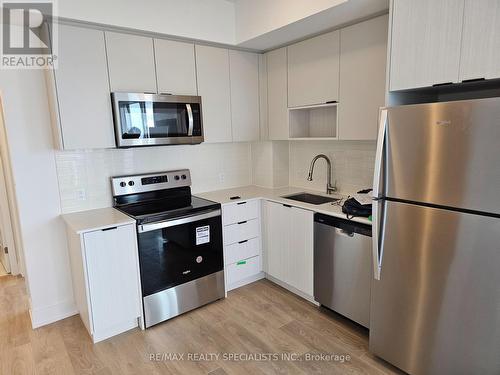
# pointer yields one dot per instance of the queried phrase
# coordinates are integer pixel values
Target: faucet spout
(329, 187)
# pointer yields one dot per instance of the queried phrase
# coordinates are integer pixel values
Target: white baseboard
(45, 315)
(292, 289)
(115, 330)
(246, 281)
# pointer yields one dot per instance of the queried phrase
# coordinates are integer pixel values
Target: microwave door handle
(190, 119)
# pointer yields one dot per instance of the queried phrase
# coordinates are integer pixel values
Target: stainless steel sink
(310, 198)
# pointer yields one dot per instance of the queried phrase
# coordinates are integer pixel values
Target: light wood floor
(258, 318)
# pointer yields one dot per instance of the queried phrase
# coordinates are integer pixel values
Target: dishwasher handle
(344, 227)
(343, 232)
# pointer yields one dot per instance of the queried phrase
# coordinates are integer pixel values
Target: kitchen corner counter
(276, 195)
(91, 220)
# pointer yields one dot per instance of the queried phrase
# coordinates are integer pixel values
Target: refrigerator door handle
(379, 153)
(377, 236)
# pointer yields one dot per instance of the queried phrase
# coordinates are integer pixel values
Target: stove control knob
(123, 184)
(176, 178)
(183, 177)
(131, 183)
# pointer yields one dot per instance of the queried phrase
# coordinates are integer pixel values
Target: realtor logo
(27, 35)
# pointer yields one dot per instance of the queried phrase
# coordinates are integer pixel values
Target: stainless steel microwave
(153, 120)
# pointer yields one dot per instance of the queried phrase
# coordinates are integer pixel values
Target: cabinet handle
(241, 203)
(242, 241)
(287, 205)
(473, 80)
(241, 262)
(442, 84)
(165, 93)
(110, 228)
(242, 222)
(331, 102)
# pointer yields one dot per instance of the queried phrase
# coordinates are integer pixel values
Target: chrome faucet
(329, 187)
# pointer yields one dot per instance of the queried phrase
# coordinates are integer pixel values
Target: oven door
(149, 119)
(178, 251)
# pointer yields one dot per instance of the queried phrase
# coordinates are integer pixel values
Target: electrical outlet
(222, 177)
(81, 194)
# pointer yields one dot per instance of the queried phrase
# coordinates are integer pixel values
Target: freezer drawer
(342, 267)
(445, 154)
(436, 307)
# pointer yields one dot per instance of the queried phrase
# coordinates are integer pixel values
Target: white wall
(34, 172)
(264, 25)
(270, 164)
(84, 176)
(353, 164)
(212, 20)
(257, 17)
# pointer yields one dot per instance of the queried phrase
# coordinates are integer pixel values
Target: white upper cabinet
(212, 68)
(83, 97)
(131, 63)
(313, 70)
(425, 47)
(277, 94)
(264, 129)
(244, 75)
(175, 67)
(481, 40)
(363, 57)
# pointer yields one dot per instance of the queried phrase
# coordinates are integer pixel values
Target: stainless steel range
(179, 239)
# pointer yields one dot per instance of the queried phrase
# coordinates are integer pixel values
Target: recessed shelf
(313, 122)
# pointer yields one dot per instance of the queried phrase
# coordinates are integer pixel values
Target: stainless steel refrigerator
(436, 238)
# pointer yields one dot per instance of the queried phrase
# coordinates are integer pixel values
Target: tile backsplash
(352, 162)
(84, 175)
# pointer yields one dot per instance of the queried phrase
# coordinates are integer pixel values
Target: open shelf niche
(313, 122)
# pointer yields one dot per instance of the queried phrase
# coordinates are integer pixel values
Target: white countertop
(91, 220)
(276, 195)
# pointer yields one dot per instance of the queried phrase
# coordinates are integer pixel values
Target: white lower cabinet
(242, 243)
(288, 244)
(106, 279)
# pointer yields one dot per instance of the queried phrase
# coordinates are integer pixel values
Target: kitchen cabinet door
(113, 281)
(425, 47)
(277, 241)
(289, 245)
(363, 57)
(131, 63)
(300, 251)
(481, 40)
(212, 71)
(264, 128)
(244, 76)
(277, 95)
(81, 92)
(175, 67)
(313, 70)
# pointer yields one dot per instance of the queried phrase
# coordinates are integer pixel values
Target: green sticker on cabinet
(241, 262)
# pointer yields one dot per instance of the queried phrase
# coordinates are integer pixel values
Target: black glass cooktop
(151, 208)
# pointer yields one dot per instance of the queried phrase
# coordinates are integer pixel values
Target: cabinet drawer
(242, 269)
(240, 211)
(243, 230)
(242, 250)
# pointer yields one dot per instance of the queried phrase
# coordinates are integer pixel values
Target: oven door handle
(190, 119)
(178, 221)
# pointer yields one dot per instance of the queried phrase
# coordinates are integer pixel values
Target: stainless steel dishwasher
(342, 266)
